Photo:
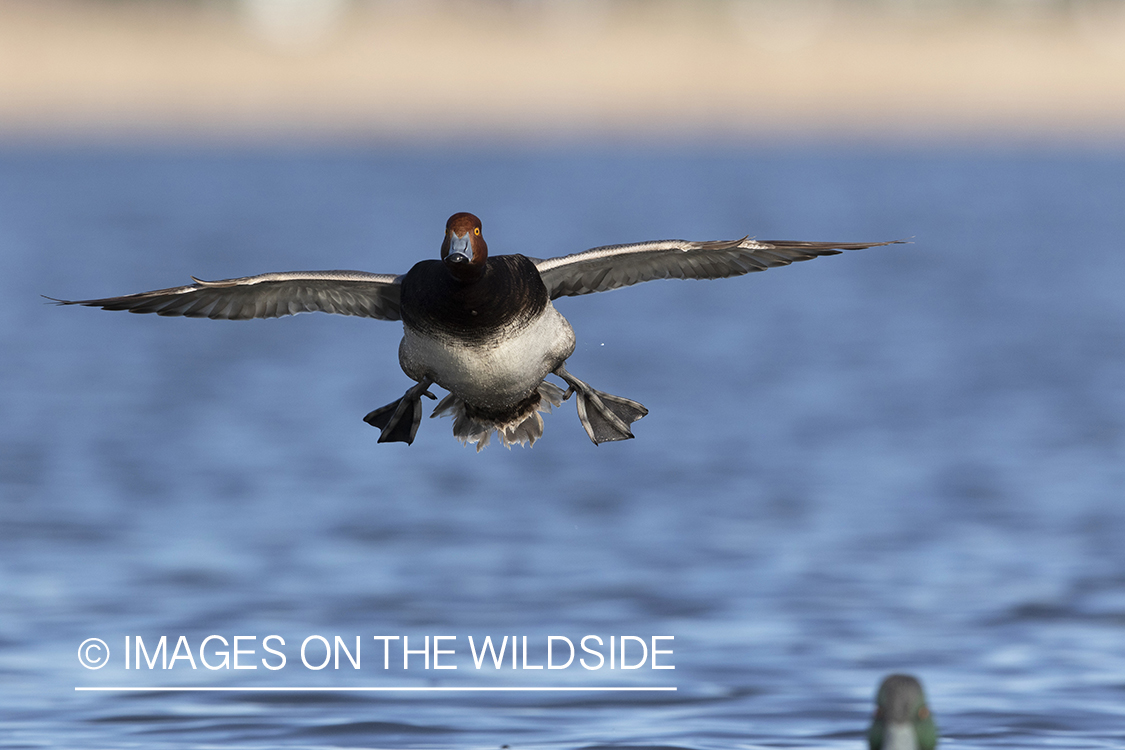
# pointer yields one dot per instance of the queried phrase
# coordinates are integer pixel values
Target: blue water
(899, 459)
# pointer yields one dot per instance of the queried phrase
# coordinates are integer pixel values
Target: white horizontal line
(374, 689)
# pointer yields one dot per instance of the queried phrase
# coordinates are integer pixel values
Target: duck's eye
(476, 231)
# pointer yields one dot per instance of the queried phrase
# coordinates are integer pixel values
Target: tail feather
(472, 429)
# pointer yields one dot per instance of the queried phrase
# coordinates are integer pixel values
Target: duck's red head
(464, 251)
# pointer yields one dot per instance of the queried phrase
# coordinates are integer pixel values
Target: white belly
(491, 374)
(900, 736)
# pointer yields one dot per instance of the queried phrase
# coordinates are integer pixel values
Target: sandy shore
(77, 70)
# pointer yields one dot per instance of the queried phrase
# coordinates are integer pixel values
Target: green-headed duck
(902, 719)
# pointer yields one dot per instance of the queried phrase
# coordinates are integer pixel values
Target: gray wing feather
(614, 266)
(269, 295)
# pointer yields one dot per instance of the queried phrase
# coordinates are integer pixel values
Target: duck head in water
(902, 719)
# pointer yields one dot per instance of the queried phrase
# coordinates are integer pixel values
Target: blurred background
(904, 459)
(548, 69)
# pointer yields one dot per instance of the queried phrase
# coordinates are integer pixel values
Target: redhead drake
(902, 719)
(483, 328)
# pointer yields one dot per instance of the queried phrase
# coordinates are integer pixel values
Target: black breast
(509, 294)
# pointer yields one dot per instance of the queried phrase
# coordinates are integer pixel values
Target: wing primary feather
(613, 266)
(267, 296)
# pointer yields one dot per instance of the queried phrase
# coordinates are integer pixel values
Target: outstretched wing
(613, 266)
(270, 295)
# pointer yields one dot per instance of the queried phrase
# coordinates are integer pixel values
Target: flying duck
(483, 328)
(902, 719)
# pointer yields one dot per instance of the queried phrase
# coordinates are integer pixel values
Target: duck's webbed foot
(604, 416)
(399, 420)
